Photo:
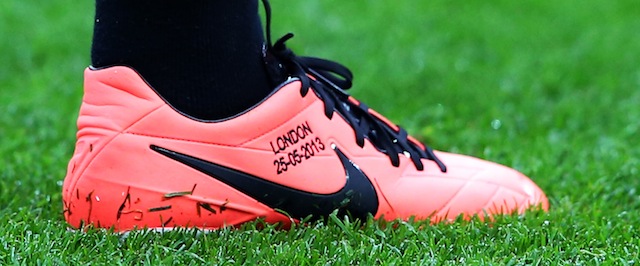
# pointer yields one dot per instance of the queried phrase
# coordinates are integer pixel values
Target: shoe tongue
(275, 69)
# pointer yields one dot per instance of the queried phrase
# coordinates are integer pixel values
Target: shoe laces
(329, 81)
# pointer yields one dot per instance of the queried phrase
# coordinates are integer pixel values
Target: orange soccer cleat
(307, 149)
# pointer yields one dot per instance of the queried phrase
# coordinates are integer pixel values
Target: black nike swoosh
(357, 198)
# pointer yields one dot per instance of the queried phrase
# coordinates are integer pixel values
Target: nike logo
(357, 198)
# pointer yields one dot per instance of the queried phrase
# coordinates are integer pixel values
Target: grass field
(551, 88)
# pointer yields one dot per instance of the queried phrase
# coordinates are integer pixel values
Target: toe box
(470, 187)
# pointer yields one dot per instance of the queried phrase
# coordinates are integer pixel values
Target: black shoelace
(329, 80)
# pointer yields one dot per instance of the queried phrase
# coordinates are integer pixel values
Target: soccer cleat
(308, 149)
(302, 151)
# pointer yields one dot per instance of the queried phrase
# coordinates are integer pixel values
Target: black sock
(203, 56)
